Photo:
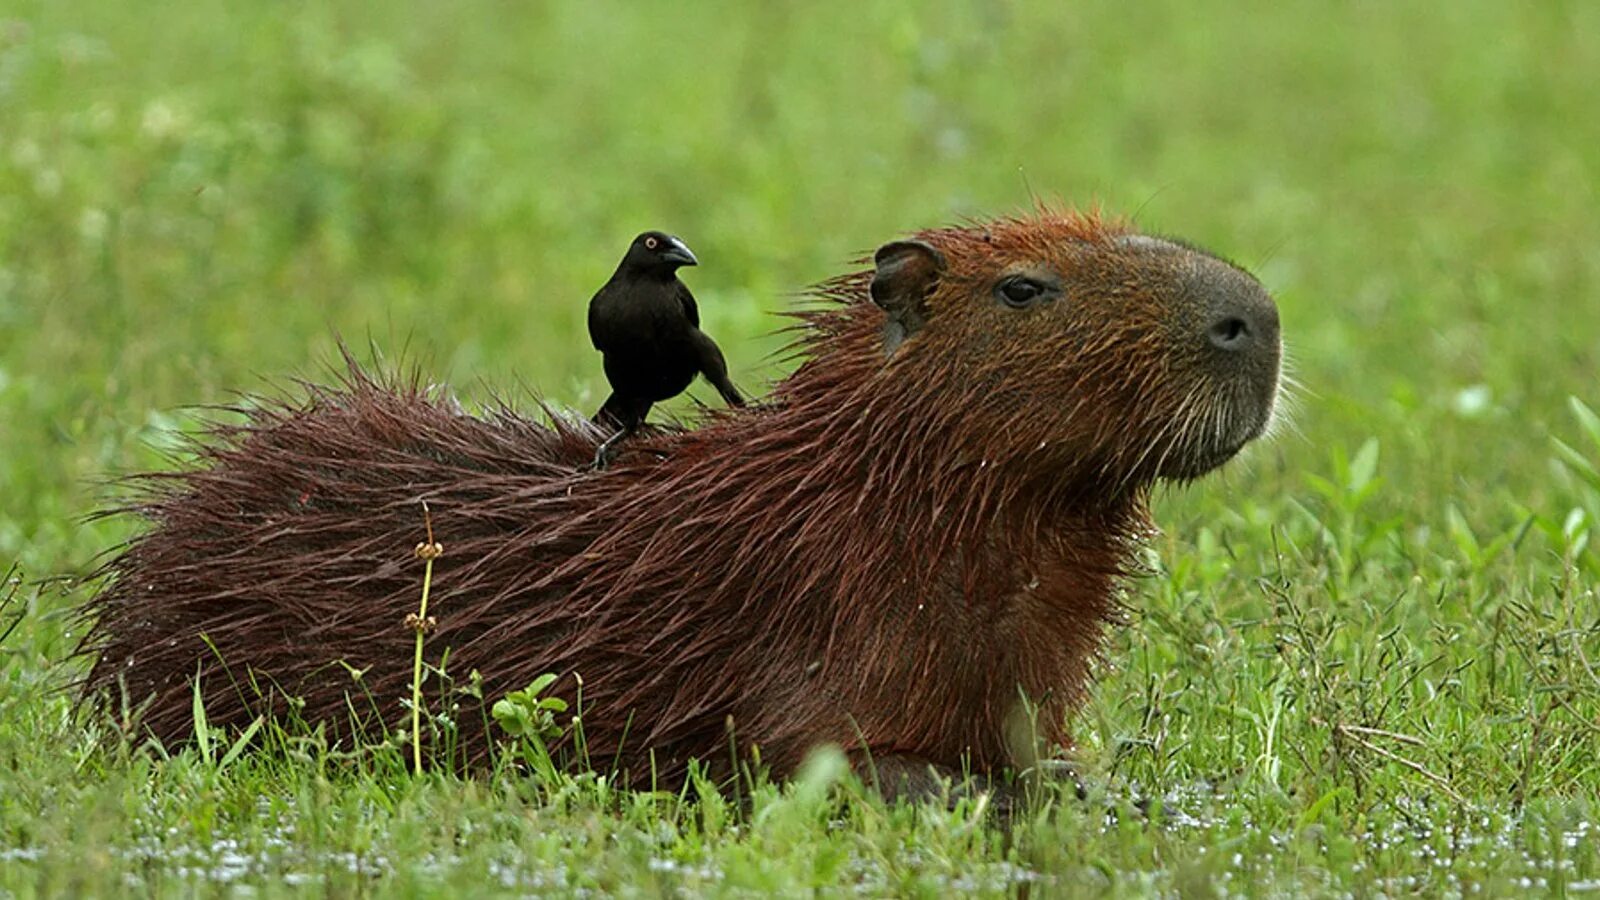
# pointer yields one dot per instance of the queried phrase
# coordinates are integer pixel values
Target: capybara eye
(1019, 292)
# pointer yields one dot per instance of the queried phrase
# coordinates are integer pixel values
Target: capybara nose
(1244, 324)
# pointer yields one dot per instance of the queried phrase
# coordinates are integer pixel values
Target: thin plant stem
(420, 623)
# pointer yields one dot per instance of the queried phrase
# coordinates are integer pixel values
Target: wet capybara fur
(910, 549)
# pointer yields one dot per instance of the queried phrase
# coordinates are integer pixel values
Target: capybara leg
(908, 777)
(1059, 774)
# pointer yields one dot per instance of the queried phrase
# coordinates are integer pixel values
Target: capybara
(910, 549)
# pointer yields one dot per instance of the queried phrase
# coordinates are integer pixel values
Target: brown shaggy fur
(887, 554)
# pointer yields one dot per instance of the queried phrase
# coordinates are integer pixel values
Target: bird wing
(608, 316)
(690, 310)
(594, 326)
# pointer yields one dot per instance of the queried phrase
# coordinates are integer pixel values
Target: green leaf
(1314, 812)
(1364, 467)
(1461, 533)
(202, 733)
(1577, 464)
(1587, 419)
(243, 742)
(508, 715)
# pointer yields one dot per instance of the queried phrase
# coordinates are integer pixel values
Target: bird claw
(603, 453)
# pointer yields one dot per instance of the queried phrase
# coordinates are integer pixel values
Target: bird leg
(627, 414)
(602, 454)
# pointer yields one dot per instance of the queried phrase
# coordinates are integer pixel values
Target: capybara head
(1090, 351)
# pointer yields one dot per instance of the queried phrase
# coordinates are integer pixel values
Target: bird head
(658, 252)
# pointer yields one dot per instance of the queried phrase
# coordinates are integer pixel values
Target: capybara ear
(906, 274)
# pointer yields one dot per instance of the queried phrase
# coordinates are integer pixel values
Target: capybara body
(911, 549)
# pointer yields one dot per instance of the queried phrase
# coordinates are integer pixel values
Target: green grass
(1366, 661)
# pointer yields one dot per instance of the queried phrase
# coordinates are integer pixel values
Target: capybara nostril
(1243, 320)
(1230, 333)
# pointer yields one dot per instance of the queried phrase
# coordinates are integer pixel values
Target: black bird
(646, 324)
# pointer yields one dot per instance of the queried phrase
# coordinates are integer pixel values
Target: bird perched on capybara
(646, 325)
(913, 541)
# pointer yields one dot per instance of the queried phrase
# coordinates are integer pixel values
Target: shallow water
(274, 854)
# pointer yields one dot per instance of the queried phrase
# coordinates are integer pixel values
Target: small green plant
(1575, 528)
(531, 721)
(206, 739)
(421, 623)
(1349, 531)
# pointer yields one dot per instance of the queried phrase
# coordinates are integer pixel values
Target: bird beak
(677, 251)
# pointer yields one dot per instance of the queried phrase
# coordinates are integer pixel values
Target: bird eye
(1019, 292)
(650, 243)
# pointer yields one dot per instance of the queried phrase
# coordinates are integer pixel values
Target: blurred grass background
(196, 199)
